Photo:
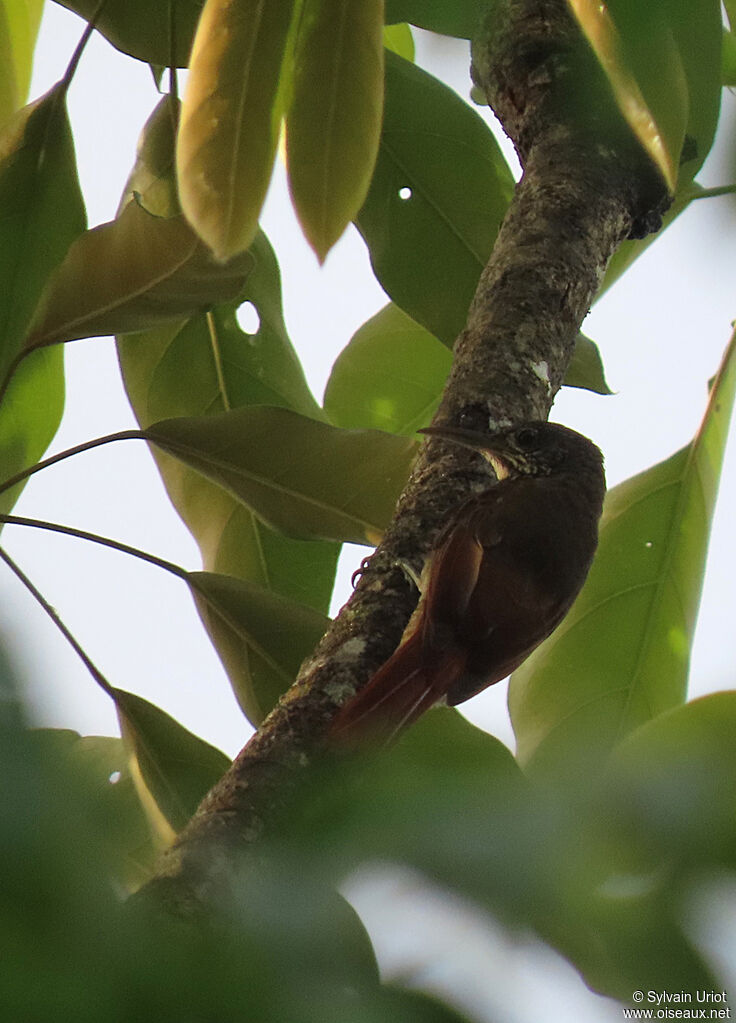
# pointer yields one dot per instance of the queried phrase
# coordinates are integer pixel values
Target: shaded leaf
(43, 212)
(115, 809)
(18, 30)
(621, 656)
(176, 767)
(231, 119)
(249, 624)
(143, 29)
(438, 195)
(586, 367)
(304, 478)
(130, 274)
(672, 783)
(204, 365)
(173, 371)
(728, 59)
(459, 18)
(334, 121)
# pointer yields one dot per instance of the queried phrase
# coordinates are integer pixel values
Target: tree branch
(586, 186)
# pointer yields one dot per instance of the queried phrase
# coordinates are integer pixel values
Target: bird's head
(535, 448)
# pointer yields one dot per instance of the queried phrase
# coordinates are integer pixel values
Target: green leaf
(302, 477)
(389, 377)
(180, 371)
(114, 807)
(43, 213)
(231, 119)
(204, 365)
(662, 60)
(143, 29)
(621, 656)
(672, 783)
(459, 18)
(176, 767)
(334, 122)
(630, 250)
(586, 367)
(261, 637)
(30, 414)
(18, 30)
(438, 195)
(399, 39)
(135, 272)
(728, 59)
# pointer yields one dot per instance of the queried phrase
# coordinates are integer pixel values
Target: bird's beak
(480, 442)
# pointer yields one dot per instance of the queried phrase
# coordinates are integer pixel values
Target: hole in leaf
(648, 544)
(248, 319)
(115, 777)
(405, 193)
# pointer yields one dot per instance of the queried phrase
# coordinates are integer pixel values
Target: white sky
(661, 330)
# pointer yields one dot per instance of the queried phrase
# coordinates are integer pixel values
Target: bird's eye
(527, 437)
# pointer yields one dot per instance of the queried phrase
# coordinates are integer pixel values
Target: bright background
(661, 331)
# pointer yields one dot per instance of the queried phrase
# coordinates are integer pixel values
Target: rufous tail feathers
(402, 689)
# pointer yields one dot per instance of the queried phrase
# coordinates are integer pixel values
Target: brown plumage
(503, 576)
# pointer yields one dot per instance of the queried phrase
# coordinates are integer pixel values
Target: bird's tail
(400, 692)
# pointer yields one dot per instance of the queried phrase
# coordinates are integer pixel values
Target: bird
(504, 573)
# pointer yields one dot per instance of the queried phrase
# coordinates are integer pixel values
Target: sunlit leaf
(251, 624)
(334, 121)
(144, 29)
(662, 61)
(135, 272)
(302, 477)
(391, 374)
(399, 39)
(43, 212)
(171, 765)
(389, 377)
(18, 30)
(621, 656)
(438, 195)
(231, 118)
(448, 17)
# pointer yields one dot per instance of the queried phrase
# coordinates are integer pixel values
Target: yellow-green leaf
(131, 274)
(231, 118)
(172, 767)
(19, 23)
(333, 125)
(621, 656)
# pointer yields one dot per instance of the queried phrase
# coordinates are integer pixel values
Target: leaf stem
(104, 541)
(53, 615)
(76, 450)
(713, 193)
(80, 47)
